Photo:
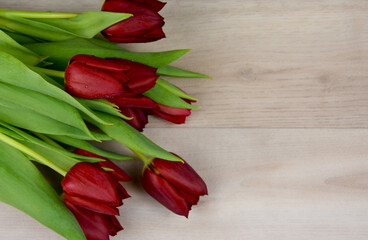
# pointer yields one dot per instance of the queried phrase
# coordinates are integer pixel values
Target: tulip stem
(140, 155)
(50, 72)
(48, 140)
(33, 31)
(31, 153)
(36, 14)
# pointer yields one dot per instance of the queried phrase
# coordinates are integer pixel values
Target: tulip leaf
(7, 44)
(44, 105)
(103, 105)
(21, 38)
(85, 25)
(60, 52)
(177, 72)
(14, 72)
(23, 187)
(132, 138)
(174, 90)
(11, 133)
(41, 144)
(165, 97)
(62, 161)
(77, 143)
(19, 116)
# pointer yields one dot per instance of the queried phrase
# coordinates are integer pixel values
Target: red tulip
(95, 226)
(118, 173)
(144, 26)
(93, 196)
(92, 77)
(135, 107)
(171, 114)
(174, 184)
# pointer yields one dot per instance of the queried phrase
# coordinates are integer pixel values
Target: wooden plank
(263, 184)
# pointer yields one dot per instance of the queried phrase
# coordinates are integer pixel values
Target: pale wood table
(280, 138)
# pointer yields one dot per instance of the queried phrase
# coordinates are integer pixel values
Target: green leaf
(132, 138)
(14, 72)
(21, 39)
(7, 44)
(11, 133)
(174, 90)
(68, 159)
(60, 52)
(62, 161)
(19, 116)
(36, 14)
(103, 105)
(85, 25)
(165, 97)
(23, 187)
(177, 72)
(88, 147)
(44, 105)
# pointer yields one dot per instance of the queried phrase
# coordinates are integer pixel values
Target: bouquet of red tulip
(65, 82)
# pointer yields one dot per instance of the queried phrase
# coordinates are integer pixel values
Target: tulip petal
(88, 180)
(182, 176)
(170, 118)
(151, 4)
(156, 34)
(143, 26)
(140, 81)
(137, 101)
(93, 206)
(86, 82)
(108, 64)
(139, 117)
(94, 225)
(164, 193)
(115, 226)
(174, 111)
(118, 173)
(192, 199)
(123, 194)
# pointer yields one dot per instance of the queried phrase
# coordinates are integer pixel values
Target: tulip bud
(135, 107)
(144, 26)
(93, 196)
(174, 184)
(95, 226)
(172, 114)
(93, 77)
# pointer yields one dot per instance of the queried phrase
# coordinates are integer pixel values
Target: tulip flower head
(93, 195)
(92, 77)
(171, 114)
(174, 184)
(137, 107)
(144, 26)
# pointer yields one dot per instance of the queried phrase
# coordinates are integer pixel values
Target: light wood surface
(277, 66)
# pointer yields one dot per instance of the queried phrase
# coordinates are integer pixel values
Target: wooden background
(281, 135)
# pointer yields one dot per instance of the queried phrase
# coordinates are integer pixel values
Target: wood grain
(263, 184)
(276, 66)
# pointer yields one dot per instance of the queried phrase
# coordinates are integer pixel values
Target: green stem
(15, 26)
(147, 161)
(141, 156)
(48, 140)
(49, 72)
(35, 14)
(30, 152)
